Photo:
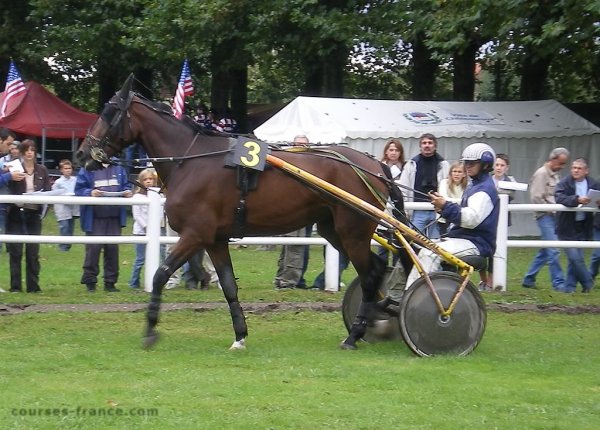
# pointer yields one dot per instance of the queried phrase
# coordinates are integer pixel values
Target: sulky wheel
(385, 327)
(426, 332)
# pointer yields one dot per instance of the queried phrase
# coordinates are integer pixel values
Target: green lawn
(531, 371)
(87, 370)
(61, 273)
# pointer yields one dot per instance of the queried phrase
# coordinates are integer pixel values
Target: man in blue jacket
(102, 220)
(573, 191)
(475, 219)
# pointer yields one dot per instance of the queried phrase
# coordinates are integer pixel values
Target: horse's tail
(395, 195)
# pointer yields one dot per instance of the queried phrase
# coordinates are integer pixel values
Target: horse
(207, 206)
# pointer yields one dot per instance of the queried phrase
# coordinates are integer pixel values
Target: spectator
(7, 138)
(319, 282)
(595, 260)
(572, 191)
(227, 123)
(475, 219)
(541, 189)
(5, 177)
(422, 175)
(393, 157)
(452, 189)
(194, 272)
(212, 120)
(175, 278)
(201, 115)
(26, 219)
(98, 220)
(293, 259)
(500, 174)
(147, 178)
(65, 214)
(14, 151)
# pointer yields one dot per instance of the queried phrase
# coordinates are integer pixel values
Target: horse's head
(110, 133)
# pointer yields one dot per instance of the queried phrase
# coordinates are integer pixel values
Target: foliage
(382, 49)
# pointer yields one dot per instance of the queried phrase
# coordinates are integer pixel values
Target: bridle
(97, 145)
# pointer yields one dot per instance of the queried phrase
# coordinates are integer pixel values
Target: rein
(359, 170)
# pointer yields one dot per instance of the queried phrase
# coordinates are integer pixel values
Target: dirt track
(259, 308)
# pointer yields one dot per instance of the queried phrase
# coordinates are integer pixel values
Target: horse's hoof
(238, 345)
(348, 346)
(149, 340)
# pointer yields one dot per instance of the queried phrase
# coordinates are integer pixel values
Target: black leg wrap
(239, 321)
(359, 326)
(160, 279)
(151, 335)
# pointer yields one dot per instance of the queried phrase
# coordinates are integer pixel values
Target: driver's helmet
(481, 152)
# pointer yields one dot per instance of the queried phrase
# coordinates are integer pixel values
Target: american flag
(14, 86)
(184, 88)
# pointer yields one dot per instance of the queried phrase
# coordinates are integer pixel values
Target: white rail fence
(153, 238)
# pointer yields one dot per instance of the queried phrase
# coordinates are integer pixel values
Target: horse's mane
(186, 119)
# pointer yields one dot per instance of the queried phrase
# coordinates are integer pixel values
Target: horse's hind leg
(219, 255)
(370, 269)
(368, 305)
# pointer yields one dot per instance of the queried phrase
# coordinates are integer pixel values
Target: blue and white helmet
(481, 152)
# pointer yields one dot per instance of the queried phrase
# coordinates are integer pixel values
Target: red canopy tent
(38, 112)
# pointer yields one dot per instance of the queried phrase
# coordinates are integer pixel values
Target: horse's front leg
(161, 276)
(219, 255)
(368, 306)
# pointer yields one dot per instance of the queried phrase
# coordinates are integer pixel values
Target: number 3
(253, 157)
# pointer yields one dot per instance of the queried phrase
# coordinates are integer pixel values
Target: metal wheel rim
(424, 330)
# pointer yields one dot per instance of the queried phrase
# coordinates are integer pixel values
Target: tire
(422, 327)
(385, 327)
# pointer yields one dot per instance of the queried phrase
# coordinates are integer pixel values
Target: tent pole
(44, 146)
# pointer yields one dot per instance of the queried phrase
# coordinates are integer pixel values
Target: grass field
(61, 273)
(532, 371)
(86, 370)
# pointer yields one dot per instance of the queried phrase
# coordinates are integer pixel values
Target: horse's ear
(126, 88)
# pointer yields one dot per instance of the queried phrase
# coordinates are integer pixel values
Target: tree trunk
(424, 69)
(534, 78)
(239, 98)
(108, 82)
(463, 79)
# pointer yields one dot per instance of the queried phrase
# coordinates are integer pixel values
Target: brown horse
(206, 207)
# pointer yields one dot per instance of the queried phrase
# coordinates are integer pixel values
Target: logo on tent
(422, 118)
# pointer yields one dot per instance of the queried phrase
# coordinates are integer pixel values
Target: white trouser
(432, 262)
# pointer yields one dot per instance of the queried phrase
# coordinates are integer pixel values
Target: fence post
(332, 268)
(155, 215)
(501, 245)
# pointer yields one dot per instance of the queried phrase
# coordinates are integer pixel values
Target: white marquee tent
(526, 131)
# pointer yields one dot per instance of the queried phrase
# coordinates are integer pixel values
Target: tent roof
(39, 112)
(334, 120)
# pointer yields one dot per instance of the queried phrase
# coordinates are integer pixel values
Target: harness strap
(374, 191)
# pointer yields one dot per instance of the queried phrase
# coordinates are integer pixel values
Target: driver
(475, 219)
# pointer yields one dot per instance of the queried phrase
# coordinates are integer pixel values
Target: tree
(87, 43)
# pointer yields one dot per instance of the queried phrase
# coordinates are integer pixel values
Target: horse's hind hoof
(238, 345)
(149, 340)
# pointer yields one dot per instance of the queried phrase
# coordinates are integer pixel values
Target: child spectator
(452, 189)
(65, 214)
(147, 178)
